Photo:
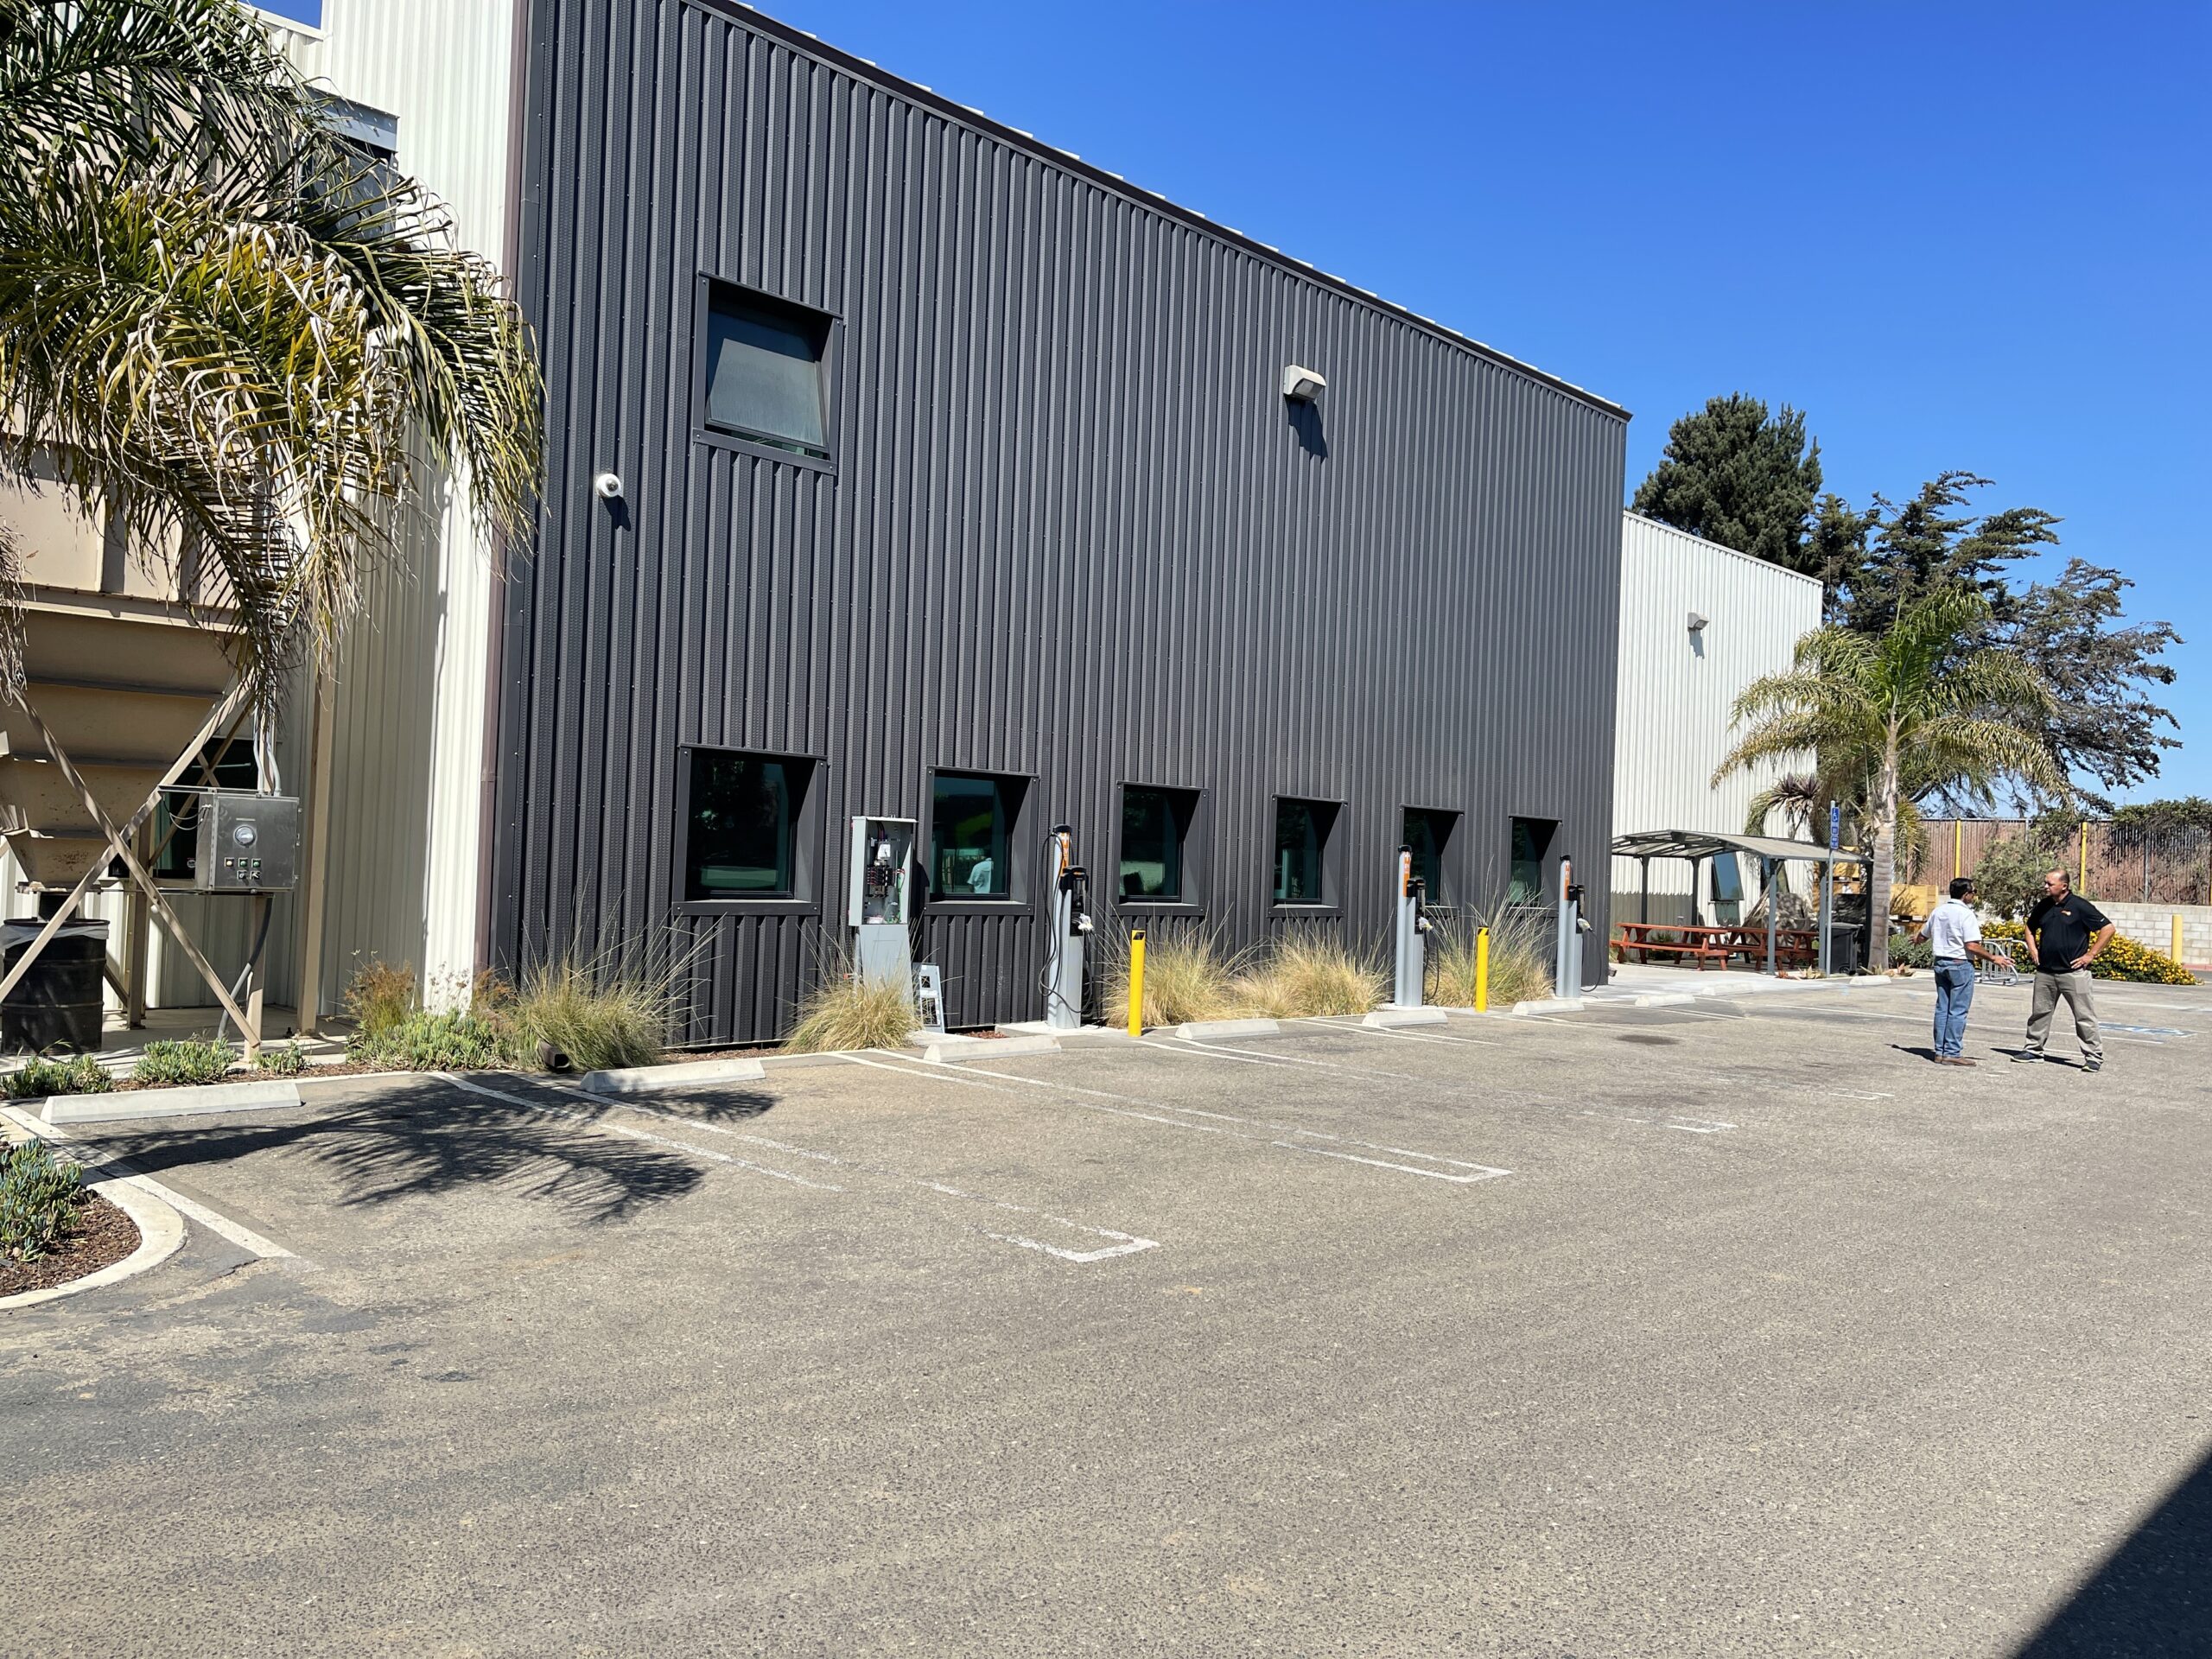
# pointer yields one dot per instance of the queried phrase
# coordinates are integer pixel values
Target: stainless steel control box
(247, 843)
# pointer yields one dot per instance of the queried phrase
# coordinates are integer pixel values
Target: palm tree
(230, 330)
(1915, 710)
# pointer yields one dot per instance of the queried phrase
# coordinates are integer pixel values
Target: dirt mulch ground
(103, 1235)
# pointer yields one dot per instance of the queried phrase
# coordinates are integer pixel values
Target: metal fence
(2120, 862)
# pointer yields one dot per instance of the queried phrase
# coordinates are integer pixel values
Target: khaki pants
(2075, 988)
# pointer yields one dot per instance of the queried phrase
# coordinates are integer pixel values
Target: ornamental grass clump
(1187, 976)
(192, 1060)
(378, 997)
(80, 1074)
(1521, 945)
(844, 1011)
(39, 1197)
(599, 1016)
(1308, 972)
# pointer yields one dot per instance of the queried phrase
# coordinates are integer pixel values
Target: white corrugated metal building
(1678, 682)
(406, 728)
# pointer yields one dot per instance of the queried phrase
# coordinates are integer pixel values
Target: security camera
(609, 487)
(1697, 623)
(1302, 385)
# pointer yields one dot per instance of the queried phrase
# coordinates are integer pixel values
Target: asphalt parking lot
(1731, 1328)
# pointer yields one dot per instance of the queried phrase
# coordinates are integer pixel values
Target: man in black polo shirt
(2066, 933)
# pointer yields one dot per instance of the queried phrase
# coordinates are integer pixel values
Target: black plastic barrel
(57, 1004)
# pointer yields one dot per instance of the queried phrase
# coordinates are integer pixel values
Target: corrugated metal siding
(1674, 724)
(1072, 532)
(406, 803)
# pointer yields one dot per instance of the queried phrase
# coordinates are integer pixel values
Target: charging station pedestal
(1568, 965)
(1412, 955)
(881, 899)
(1066, 934)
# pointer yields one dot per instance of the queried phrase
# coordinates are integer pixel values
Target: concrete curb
(1382, 1018)
(161, 1235)
(657, 1079)
(1664, 999)
(1550, 1005)
(261, 1095)
(800, 1062)
(954, 1051)
(1198, 1030)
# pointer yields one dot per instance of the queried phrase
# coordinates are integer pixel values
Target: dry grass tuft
(1187, 976)
(1307, 971)
(843, 1011)
(378, 997)
(1521, 946)
(600, 1015)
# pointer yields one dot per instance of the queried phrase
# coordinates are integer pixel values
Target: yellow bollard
(1136, 983)
(1482, 971)
(2083, 885)
(2177, 952)
(1958, 847)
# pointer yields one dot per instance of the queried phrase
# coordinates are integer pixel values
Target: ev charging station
(1066, 933)
(881, 899)
(1567, 978)
(1411, 954)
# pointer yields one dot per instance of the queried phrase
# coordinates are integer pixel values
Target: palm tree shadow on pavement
(2150, 1597)
(433, 1138)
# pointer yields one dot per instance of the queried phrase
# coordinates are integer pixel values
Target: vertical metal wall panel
(1074, 532)
(1674, 723)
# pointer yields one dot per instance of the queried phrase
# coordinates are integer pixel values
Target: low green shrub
(1907, 952)
(2123, 959)
(192, 1060)
(455, 1041)
(80, 1074)
(39, 1197)
(282, 1060)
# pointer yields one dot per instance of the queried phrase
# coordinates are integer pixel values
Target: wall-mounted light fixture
(1697, 622)
(609, 485)
(1302, 385)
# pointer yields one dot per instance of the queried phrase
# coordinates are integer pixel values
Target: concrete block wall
(2154, 925)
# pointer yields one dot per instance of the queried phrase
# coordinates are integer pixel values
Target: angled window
(738, 822)
(1429, 834)
(973, 819)
(1301, 846)
(764, 370)
(1531, 846)
(1155, 844)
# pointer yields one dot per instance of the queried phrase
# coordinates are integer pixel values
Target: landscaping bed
(103, 1235)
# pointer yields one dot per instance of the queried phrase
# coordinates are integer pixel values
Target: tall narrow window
(1532, 842)
(1429, 834)
(972, 819)
(1155, 827)
(737, 840)
(763, 370)
(1301, 842)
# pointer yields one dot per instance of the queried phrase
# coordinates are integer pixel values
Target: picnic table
(1794, 947)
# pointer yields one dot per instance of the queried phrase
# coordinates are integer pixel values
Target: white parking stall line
(1222, 1120)
(245, 1237)
(630, 1133)
(1122, 1243)
(1395, 1034)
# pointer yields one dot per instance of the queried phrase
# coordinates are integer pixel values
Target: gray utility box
(248, 842)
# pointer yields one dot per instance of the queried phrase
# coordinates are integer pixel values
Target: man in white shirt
(1953, 935)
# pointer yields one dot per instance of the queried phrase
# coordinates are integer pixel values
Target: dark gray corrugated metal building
(1059, 524)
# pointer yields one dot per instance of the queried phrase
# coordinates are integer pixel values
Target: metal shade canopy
(1698, 845)
(1709, 843)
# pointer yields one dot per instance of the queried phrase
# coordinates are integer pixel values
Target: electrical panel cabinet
(247, 843)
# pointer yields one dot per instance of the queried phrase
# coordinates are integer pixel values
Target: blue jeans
(1954, 996)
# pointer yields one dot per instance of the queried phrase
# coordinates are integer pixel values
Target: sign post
(1828, 885)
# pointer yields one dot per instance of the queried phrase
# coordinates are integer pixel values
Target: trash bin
(57, 1004)
(1843, 949)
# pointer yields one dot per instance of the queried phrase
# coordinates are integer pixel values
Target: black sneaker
(2093, 1063)
(2027, 1055)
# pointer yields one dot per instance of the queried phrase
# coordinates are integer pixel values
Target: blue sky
(1957, 236)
